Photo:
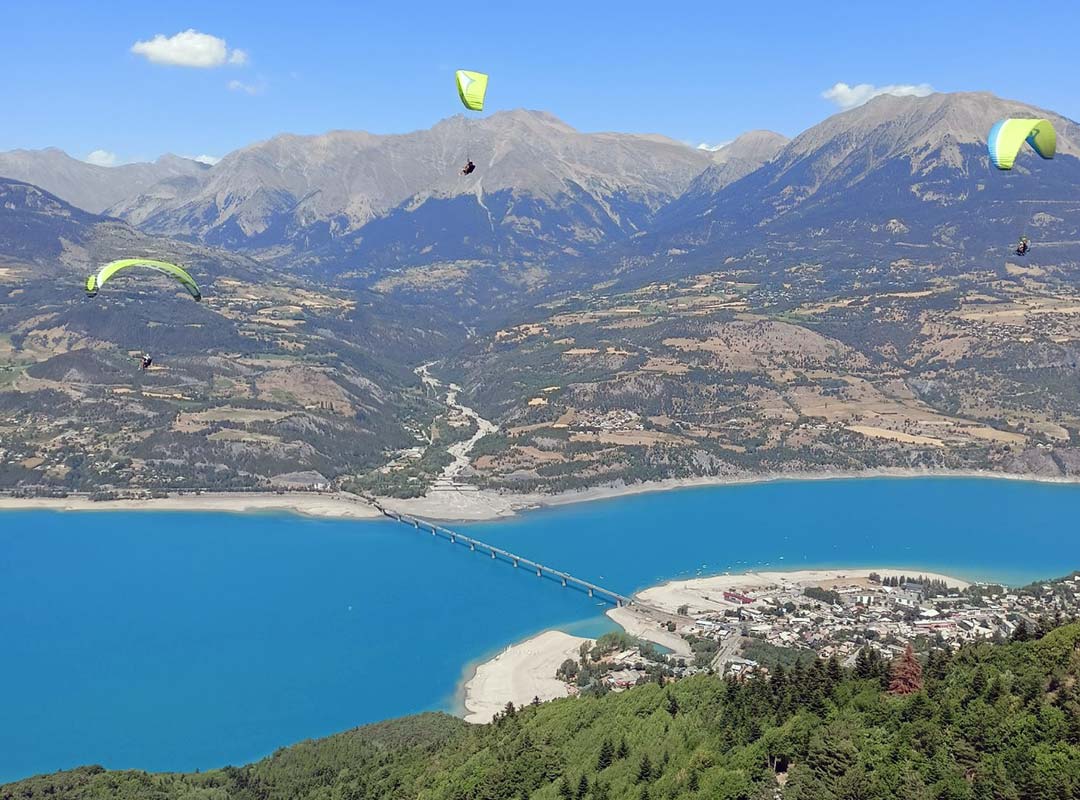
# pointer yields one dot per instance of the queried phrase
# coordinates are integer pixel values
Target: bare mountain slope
(310, 190)
(746, 154)
(269, 374)
(898, 177)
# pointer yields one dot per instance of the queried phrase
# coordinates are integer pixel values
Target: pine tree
(564, 790)
(536, 700)
(798, 682)
(694, 783)
(1020, 632)
(607, 755)
(864, 668)
(624, 749)
(582, 787)
(644, 773)
(1043, 627)
(906, 674)
(778, 681)
(672, 704)
(833, 674)
(978, 681)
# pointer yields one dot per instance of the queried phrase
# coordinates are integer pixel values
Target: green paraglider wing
(472, 86)
(1008, 136)
(97, 280)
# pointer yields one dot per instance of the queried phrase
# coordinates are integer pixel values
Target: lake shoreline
(331, 506)
(473, 505)
(484, 505)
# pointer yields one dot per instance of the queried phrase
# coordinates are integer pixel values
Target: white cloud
(203, 159)
(712, 148)
(102, 158)
(189, 49)
(846, 96)
(247, 88)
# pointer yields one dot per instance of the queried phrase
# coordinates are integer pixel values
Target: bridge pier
(493, 554)
(472, 545)
(590, 591)
(564, 582)
(453, 539)
(538, 573)
(515, 562)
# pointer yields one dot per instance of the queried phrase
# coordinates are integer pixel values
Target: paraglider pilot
(1022, 247)
(468, 169)
(146, 361)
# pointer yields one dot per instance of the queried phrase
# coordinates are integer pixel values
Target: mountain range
(896, 177)
(334, 264)
(900, 177)
(92, 187)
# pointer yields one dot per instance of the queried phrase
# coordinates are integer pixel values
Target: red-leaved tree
(906, 674)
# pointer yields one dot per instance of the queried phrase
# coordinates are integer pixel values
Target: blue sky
(695, 72)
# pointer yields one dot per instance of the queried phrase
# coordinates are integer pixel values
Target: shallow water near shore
(175, 641)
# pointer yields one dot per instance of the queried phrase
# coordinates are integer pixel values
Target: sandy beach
(341, 505)
(449, 505)
(520, 673)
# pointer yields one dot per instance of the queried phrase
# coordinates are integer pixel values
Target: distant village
(884, 614)
(752, 628)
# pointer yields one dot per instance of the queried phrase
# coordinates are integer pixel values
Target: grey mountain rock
(308, 191)
(899, 176)
(91, 187)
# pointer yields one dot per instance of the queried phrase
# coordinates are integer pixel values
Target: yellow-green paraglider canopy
(1008, 136)
(98, 279)
(472, 86)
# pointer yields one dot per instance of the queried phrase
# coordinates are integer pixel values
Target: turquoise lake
(175, 641)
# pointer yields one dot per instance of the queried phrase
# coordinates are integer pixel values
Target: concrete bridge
(541, 570)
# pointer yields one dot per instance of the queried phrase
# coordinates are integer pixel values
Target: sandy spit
(699, 593)
(519, 673)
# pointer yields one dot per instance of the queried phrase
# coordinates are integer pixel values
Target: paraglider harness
(1022, 247)
(469, 167)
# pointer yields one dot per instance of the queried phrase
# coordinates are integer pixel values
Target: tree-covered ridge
(991, 722)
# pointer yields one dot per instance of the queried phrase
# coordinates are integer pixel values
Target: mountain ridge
(895, 173)
(92, 187)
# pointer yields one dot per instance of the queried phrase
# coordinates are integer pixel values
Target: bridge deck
(593, 589)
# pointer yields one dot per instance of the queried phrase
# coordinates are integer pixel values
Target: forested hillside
(997, 722)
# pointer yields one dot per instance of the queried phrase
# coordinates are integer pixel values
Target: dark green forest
(987, 722)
